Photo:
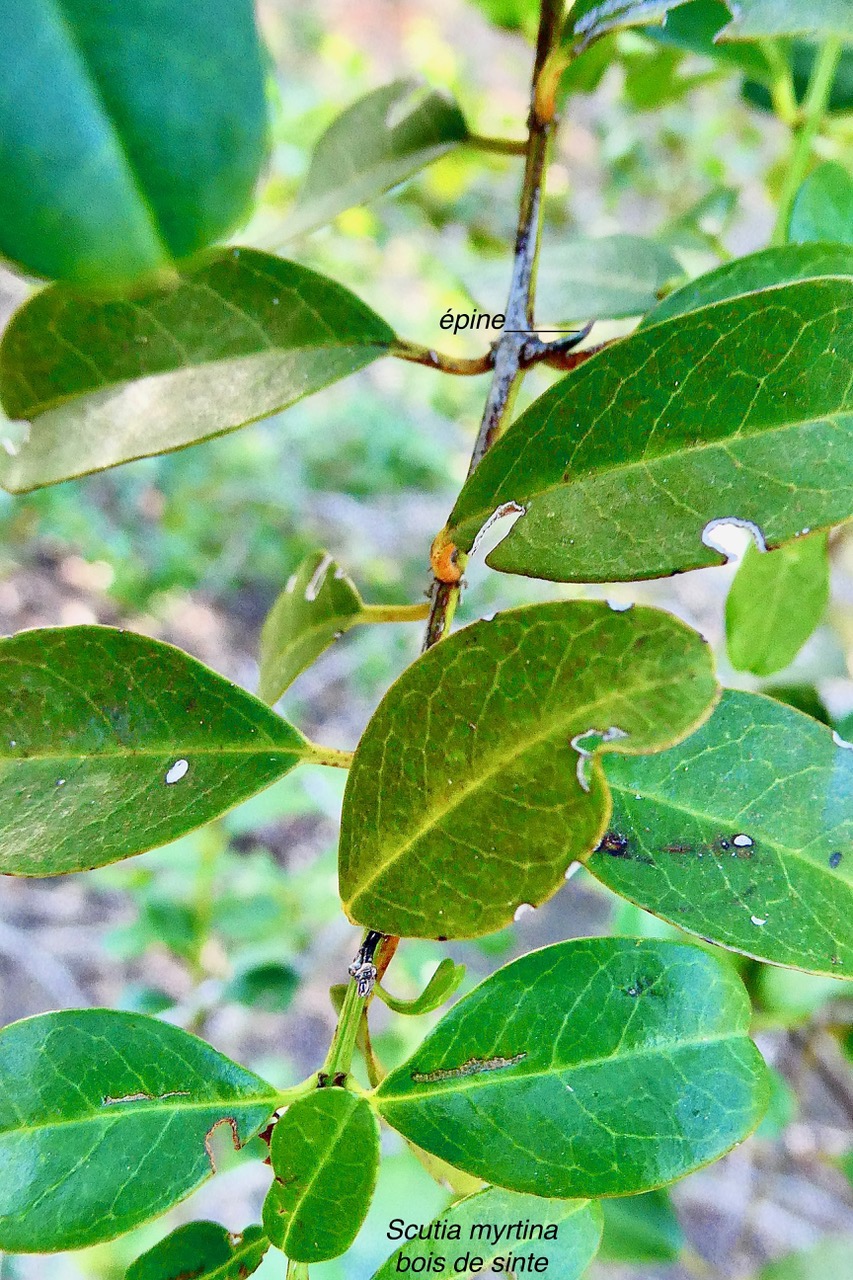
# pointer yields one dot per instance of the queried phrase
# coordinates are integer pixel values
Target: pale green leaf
(112, 743)
(238, 337)
(823, 206)
(818, 19)
(641, 1229)
(484, 1222)
(589, 19)
(106, 1120)
(737, 411)
(131, 135)
(477, 782)
(441, 986)
(775, 602)
(386, 136)
(202, 1251)
(597, 1067)
(325, 1157)
(831, 1257)
(743, 834)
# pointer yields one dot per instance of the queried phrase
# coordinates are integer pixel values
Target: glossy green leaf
(325, 1158)
(128, 139)
(441, 986)
(819, 19)
(641, 1229)
(386, 136)
(586, 279)
(743, 834)
(477, 782)
(484, 1224)
(112, 743)
(589, 19)
(106, 1121)
(241, 336)
(318, 604)
(738, 411)
(823, 207)
(775, 602)
(833, 1256)
(596, 1067)
(750, 275)
(202, 1251)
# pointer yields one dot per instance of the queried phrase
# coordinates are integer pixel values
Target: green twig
(395, 612)
(297, 1270)
(332, 756)
(500, 146)
(814, 109)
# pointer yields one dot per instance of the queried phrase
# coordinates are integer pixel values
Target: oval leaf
(757, 271)
(641, 1229)
(318, 604)
(775, 602)
(325, 1157)
(738, 411)
(202, 1251)
(111, 743)
(753, 19)
(743, 834)
(241, 336)
(377, 142)
(476, 783)
(127, 140)
(823, 207)
(606, 1066)
(106, 1120)
(483, 1223)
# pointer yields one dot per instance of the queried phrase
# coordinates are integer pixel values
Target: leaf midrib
(153, 1107)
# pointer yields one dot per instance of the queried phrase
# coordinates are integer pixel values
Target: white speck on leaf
(523, 909)
(743, 842)
(757, 920)
(177, 771)
(618, 606)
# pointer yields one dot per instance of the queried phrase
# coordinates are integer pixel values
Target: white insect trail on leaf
(586, 743)
(144, 1097)
(177, 771)
(473, 1067)
(235, 1137)
(313, 588)
(723, 544)
(505, 509)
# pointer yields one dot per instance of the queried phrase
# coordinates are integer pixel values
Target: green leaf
(241, 336)
(753, 19)
(202, 1251)
(587, 279)
(111, 743)
(269, 986)
(105, 1122)
(596, 1067)
(751, 275)
(317, 606)
(386, 136)
(477, 782)
(743, 834)
(831, 1257)
(738, 411)
(482, 1221)
(823, 207)
(589, 19)
(325, 1157)
(128, 139)
(641, 1229)
(440, 987)
(775, 602)
(694, 28)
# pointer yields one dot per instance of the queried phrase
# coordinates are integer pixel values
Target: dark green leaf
(587, 279)
(641, 1229)
(440, 987)
(239, 337)
(753, 274)
(513, 15)
(318, 604)
(477, 782)
(483, 1219)
(111, 743)
(589, 19)
(775, 602)
(270, 987)
(105, 1122)
(694, 27)
(831, 1257)
(738, 411)
(129, 137)
(823, 207)
(760, 18)
(597, 1067)
(202, 1251)
(325, 1157)
(743, 834)
(383, 138)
